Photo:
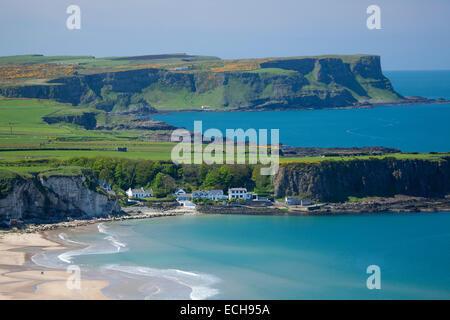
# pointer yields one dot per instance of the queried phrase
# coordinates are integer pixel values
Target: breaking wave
(199, 283)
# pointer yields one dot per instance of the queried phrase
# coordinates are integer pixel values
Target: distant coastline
(403, 102)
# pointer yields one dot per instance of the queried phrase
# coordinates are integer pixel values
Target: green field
(91, 62)
(27, 142)
(22, 131)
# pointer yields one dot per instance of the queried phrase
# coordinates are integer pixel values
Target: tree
(145, 173)
(218, 177)
(106, 175)
(263, 183)
(163, 185)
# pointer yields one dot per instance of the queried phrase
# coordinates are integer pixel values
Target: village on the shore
(234, 196)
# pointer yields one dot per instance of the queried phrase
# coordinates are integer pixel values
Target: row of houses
(233, 193)
(215, 195)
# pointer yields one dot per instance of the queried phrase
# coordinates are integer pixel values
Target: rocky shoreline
(402, 102)
(397, 204)
(132, 213)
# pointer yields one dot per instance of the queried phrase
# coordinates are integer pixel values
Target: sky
(414, 34)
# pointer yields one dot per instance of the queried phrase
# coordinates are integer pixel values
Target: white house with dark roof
(239, 193)
(208, 194)
(139, 193)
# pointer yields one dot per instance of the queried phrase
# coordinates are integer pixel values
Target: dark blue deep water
(421, 128)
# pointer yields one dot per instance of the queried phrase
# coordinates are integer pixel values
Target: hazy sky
(415, 34)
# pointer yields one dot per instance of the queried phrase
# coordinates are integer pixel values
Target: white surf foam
(199, 283)
(94, 248)
(112, 238)
(65, 238)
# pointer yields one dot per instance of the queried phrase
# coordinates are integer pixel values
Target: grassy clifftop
(181, 81)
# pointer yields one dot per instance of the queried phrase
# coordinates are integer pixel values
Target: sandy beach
(22, 279)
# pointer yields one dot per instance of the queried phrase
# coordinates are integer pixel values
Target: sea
(286, 257)
(412, 128)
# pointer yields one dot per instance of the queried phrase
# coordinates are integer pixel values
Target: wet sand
(21, 279)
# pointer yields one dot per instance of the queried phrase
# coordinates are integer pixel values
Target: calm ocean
(421, 128)
(268, 257)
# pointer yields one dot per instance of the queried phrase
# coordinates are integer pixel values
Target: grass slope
(21, 127)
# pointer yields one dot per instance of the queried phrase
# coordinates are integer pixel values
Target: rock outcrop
(86, 119)
(335, 181)
(54, 198)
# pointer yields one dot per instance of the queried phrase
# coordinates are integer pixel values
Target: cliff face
(53, 198)
(337, 180)
(87, 120)
(333, 81)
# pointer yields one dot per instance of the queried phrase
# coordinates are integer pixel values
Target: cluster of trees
(165, 177)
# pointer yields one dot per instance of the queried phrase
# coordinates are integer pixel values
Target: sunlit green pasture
(25, 136)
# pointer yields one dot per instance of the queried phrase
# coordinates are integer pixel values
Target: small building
(120, 149)
(188, 204)
(205, 107)
(139, 193)
(184, 197)
(239, 193)
(179, 69)
(293, 201)
(297, 201)
(208, 194)
(179, 192)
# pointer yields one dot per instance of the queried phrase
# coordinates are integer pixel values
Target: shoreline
(134, 213)
(395, 103)
(369, 205)
(22, 278)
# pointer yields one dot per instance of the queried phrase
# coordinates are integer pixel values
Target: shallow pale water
(268, 257)
(421, 128)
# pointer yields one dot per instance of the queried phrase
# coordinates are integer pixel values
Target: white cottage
(208, 194)
(239, 193)
(139, 193)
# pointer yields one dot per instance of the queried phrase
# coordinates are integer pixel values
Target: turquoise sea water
(421, 128)
(268, 257)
